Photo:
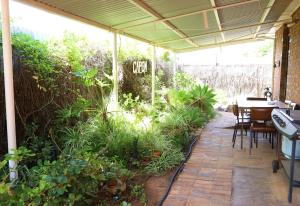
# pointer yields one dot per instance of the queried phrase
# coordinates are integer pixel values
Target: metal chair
(239, 123)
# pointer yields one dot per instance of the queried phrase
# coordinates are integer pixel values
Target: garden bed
(75, 150)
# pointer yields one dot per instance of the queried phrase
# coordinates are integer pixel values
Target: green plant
(124, 203)
(73, 111)
(177, 124)
(204, 97)
(169, 159)
(184, 81)
(137, 191)
(35, 56)
(129, 102)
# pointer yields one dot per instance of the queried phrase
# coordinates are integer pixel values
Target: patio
(217, 174)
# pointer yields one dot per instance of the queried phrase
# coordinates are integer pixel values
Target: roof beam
(264, 16)
(146, 8)
(231, 29)
(227, 43)
(189, 14)
(213, 3)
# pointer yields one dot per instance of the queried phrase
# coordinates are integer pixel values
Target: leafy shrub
(64, 181)
(35, 56)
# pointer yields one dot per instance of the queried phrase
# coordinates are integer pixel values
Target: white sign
(139, 67)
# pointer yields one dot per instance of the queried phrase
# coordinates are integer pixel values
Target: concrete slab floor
(216, 174)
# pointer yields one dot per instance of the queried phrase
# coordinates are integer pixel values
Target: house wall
(293, 76)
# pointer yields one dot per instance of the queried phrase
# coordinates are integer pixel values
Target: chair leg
(251, 139)
(234, 136)
(272, 140)
(256, 139)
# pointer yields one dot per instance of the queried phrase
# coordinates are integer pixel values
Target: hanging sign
(139, 67)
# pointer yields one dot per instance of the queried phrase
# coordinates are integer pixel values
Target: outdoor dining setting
(274, 121)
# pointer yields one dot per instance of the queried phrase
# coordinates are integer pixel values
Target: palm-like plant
(202, 96)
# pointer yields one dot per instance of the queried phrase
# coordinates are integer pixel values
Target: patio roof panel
(226, 2)
(208, 40)
(177, 45)
(277, 9)
(241, 15)
(176, 7)
(197, 24)
(155, 32)
(241, 34)
(109, 13)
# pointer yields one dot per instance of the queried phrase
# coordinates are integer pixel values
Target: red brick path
(216, 174)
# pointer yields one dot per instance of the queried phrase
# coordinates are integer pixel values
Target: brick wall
(280, 63)
(293, 77)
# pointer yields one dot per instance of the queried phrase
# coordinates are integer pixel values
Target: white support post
(9, 87)
(153, 74)
(174, 70)
(115, 72)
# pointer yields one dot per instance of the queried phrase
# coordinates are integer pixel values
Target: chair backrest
(258, 113)
(256, 99)
(235, 110)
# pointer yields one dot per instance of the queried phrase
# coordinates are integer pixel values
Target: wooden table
(248, 104)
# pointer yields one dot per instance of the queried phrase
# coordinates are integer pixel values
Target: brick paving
(217, 174)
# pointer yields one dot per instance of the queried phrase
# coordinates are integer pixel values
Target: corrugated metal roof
(175, 24)
(170, 8)
(106, 12)
(195, 24)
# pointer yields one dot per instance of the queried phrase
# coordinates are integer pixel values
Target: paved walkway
(216, 174)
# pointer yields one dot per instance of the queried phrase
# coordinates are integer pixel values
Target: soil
(155, 188)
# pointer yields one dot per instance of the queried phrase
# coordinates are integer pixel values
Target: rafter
(264, 16)
(213, 3)
(227, 43)
(146, 8)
